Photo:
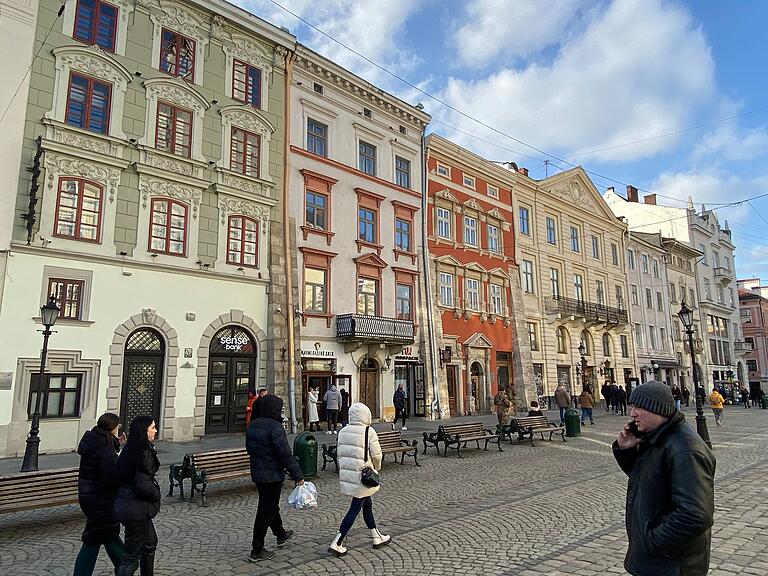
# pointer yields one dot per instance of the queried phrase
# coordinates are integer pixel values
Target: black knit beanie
(655, 397)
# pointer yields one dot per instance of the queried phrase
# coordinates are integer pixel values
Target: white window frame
(497, 303)
(469, 238)
(547, 220)
(578, 287)
(469, 181)
(528, 277)
(596, 247)
(634, 291)
(442, 167)
(493, 239)
(471, 294)
(600, 292)
(575, 239)
(443, 220)
(492, 191)
(631, 259)
(446, 294)
(170, 18)
(245, 50)
(554, 282)
(124, 8)
(251, 120)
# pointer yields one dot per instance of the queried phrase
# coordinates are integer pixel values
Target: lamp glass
(686, 316)
(582, 349)
(49, 312)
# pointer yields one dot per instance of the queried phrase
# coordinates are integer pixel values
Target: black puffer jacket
(670, 501)
(97, 485)
(138, 497)
(267, 444)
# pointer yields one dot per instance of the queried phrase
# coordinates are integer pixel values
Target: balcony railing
(742, 346)
(588, 310)
(723, 273)
(361, 328)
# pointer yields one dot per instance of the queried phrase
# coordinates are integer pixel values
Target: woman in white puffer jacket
(351, 451)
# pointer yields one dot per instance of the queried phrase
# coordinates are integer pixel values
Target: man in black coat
(670, 495)
(606, 392)
(271, 456)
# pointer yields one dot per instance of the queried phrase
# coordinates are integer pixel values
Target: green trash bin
(305, 452)
(572, 423)
(765, 401)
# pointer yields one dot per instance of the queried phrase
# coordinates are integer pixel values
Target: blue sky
(667, 95)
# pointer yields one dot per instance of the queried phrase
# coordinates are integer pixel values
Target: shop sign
(318, 353)
(408, 355)
(234, 343)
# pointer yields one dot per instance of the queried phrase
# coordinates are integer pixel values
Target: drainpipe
(289, 315)
(427, 284)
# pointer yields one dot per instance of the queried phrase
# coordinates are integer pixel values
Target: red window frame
(93, 30)
(63, 289)
(175, 111)
(179, 39)
(167, 224)
(237, 245)
(88, 102)
(79, 210)
(241, 160)
(241, 95)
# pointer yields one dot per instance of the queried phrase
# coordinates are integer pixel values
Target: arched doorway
(231, 375)
(476, 387)
(369, 385)
(142, 388)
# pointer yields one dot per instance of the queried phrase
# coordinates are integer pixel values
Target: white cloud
(729, 142)
(640, 68)
(490, 28)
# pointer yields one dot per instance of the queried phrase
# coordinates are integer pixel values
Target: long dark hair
(137, 440)
(107, 422)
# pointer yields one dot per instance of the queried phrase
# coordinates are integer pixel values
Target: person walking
(677, 395)
(270, 456)
(745, 397)
(587, 402)
(670, 493)
(614, 391)
(563, 400)
(502, 403)
(358, 448)
(344, 412)
(605, 390)
(399, 400)
(332, 400)
(313, 415)
(686, 396)
(622, 400)
(97, 483)
(138, 498)
(716, 402)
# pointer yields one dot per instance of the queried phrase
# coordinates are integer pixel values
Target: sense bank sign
(234, 343)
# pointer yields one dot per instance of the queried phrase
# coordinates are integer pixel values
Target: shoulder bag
(368, 476)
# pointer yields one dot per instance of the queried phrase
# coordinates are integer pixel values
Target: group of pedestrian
(335, 403)
(615, 398)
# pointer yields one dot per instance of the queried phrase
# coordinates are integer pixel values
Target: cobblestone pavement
(554, 509)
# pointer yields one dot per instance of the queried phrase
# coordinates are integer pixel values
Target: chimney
(631, 193)
(523, 171)
(609, 190)
(650, 199)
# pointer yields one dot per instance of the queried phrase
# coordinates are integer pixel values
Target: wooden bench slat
(41, 489)
(456, 436)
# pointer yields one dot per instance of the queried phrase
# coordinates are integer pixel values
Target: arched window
(78, 209)
(563, 341)
(606, 345)
(586, 338)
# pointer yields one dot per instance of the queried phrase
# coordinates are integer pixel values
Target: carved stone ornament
(228, 206)
(176, 93)
(507, 322)
(151, 187)
(573, 191)
(149, 315)
(60, 166)
(250, 121)
(446, 195)
(255, 53)
(179, 19)
(254, 188)
(472, 204)
(84, 142)
(92, 61)
(218, 24)
(169, 165)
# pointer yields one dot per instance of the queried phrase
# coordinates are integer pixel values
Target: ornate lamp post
(49, 313)
(655, 368)
(686, 317)
(583, 354)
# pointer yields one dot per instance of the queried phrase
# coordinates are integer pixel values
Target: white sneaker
(336, 546)
(334, 432)
(379, 539)
(328, 433)
(393, 426)
(403, 428)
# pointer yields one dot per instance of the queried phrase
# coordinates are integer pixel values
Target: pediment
(370, 259)
(498, 272)
(575, 188)
(475, 267)
(446, 195)
(478, 340)
(448, 260)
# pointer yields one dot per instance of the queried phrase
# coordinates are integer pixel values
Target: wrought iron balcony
(587, 310)
(361, 328)
(723, 273)
(742, 346)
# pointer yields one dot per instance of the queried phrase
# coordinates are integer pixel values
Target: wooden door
(369, 391)
(451, 376)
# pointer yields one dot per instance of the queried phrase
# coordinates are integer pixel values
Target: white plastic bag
(304, 496)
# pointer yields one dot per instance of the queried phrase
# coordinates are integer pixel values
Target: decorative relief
(149, 315)
(93, 61)
(255, 188)
(177, 94)
(250, 121)
(85, 143)
(252, 52)
(178, 18)
(229, 206)
(446, 195)
(60, 166)
(169, 165)
(472, 204)
(154, 187)
(573, 191)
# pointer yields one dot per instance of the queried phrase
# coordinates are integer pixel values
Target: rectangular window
(446, 289)
(366, 225)
(244, 152)
(619, 296)
(655, 268)
(578, 286)
(60, 395)
(496, 301)
(615, 254)
(551, 231)
(575, 239)
(78, 210)
(527, 271)
(444, 223)
(68, 295)
(715, 259)
(96, 23)
(472, 294)
(600, 290)
(720, 295)
(404, 298)
(402, 172)
(443, 171)
(691, 299)
(492, 191)
(663, 339)
(596, 247)
(367, 158)
(367, 296)
(246, 84)
(88, 104)
(731, 300)
(624, 346)
(635, 297)
(554, 282)
(317, 138)
(652, 337)
(672, 294)
(315, 290)
(648, 298)
(703, 250)
(177, 55)
(242, 241)
(402, 235)
(726, 263)
(493, 239)
(707, 291)
(631, 259)
(469, 182)
(638, 335)
(525, 225)
(174, 130)
(659, 302)
(533, 338)
(168, 227)
(470, 231)
(752, 365)
(645, 263)
(315, 211)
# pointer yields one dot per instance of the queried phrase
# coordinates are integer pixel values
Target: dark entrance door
(142, 376)
(451, 376)
(369, 390)
(231, 375)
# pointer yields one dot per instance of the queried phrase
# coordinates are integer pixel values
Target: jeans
(400, 414)
(586, 413)
(267, 514)
(354, 509)
(332, 417)
(85, 563)
(562, 413)
(140, 545)
(677, 404)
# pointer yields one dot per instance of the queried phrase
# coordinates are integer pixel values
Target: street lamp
(655, 368)
(583, 354)
(49, 313)
(686, 317)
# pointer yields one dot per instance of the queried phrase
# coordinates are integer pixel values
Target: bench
(528, 426)
(217, 465)
(330, 455)
(44, 489)
(456, 436)
(391, 442)
(176, 475)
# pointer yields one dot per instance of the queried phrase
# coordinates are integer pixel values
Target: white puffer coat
(351, 449)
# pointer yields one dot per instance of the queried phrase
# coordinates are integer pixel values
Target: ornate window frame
(233, 206)
(251, 120)
(311, 110)
(185, 22)
(124, 9)
(255, 54)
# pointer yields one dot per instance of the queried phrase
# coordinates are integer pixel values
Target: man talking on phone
(670, 494)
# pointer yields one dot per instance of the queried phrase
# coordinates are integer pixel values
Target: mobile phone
(633, 428)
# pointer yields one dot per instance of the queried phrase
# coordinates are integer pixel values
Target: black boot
(147, 565)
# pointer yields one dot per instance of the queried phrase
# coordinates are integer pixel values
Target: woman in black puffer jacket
(138, 498)
(96, 486)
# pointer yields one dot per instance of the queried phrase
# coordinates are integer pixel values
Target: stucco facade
(753, 309)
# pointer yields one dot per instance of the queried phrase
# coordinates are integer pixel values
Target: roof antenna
(546, 166)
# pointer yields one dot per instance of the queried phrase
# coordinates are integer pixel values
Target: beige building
(570, 249)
